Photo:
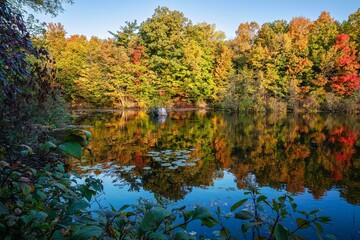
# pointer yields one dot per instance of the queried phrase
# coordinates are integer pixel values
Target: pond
(203, 157)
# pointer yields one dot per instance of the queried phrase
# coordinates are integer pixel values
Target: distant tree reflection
(294, 153)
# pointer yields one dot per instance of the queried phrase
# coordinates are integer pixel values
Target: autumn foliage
(346, 79)
(301, 65)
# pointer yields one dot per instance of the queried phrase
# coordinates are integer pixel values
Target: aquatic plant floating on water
(173, 159)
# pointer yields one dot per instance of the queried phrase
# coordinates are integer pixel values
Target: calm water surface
(200, 157)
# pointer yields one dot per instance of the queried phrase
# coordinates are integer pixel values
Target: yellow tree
(299, 65)
(243, 42)
(222, 72)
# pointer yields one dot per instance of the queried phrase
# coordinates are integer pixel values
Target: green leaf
(58, 235)
(157, 235)
(113, 208)
(318, 227)
(60, 168)
(244, 228)
(254, 224)
(201, 212)
(79, 136)
(27, 152)
(238, 204)
(26, 219)
(276, 206)
(88, 232)
(181, 235)
(187, 214)
(47, 146)
(291, 199)
(25, 188)
(72, 148)
(110, 214)
(281, 233)
(302, 223)
(87, 133)
(209, 221)
(324, 219)
(3, 209)
(148, 222)
(77, 206)
(96, 184)
(60, 186)
(158, 198)
(183, 226)
(284, 212)
(40, 216)
(261, 198)
(314, 211)
(225, 232)
(282, 198)
(86, 192)
(243, 215)
(123, 208)
(293, 206)
(160, 214)
(218, 210)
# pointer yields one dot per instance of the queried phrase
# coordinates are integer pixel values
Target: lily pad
(85, 168)
(128, 168)
(153, 154)
(184, 151)
(191, 164)
(180, 164)
(157, 159)
(166, 164)
(167, 152)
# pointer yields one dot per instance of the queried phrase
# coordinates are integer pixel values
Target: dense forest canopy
(167, 60)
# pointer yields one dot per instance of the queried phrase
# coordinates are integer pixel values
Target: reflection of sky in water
(203, 158)
(224, 193)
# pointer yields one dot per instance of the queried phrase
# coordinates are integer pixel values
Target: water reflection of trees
(311, 152)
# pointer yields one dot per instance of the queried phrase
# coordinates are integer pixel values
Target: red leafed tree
(344, 141)
(137, 55)
(135, 59)
(346, 80)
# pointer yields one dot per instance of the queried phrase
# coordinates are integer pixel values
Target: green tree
(352, 27)
(270, 56)
(127, 34)
(163, 39)
(202, 58)
(321, 37)
(69, 65)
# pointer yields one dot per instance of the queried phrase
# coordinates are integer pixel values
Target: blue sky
(97, 17)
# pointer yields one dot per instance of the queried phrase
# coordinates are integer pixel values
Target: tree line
(188, 64)
(301, 65)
